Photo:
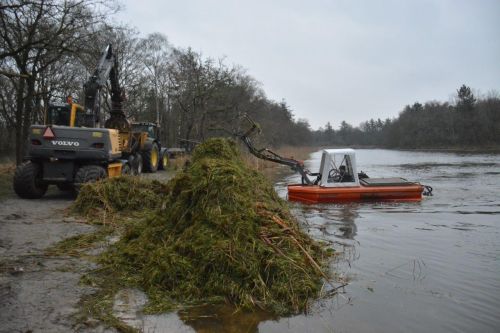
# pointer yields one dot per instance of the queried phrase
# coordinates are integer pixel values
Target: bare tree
(35, 35)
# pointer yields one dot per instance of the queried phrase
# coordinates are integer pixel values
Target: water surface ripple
(431, 266)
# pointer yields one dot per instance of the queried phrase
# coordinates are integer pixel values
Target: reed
(6, 175)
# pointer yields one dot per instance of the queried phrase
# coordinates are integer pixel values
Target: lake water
(431, 266)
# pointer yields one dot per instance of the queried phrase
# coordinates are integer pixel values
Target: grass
(178, 162)
(6, 175)
(76, 246)
(104, 200)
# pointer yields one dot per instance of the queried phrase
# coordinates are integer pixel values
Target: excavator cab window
(59, 115)
(150, 129)
(151, 132)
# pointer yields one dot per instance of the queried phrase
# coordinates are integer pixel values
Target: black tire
(163, 165)
(137, 169)
(126, 169)
(65, 187)
(27, 181)
(88, 174)
(151, 158)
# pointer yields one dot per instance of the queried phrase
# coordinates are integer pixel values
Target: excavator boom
(107, 68)
(269, 155)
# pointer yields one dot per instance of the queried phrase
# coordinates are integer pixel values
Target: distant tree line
(470, 122)
(48, 49)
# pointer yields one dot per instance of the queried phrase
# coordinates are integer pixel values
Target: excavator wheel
(163, 161)
(27, 183)
(137, 165)
(126, 169)
(88, 174)
(151, 158)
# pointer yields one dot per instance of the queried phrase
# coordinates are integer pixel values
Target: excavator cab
(59, 114)
(70, 114)
(150, 128)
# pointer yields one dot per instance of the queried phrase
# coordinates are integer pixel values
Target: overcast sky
(339, 60)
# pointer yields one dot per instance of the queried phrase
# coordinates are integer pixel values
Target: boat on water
(339, 181)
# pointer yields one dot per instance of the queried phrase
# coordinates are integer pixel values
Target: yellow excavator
(72, 148)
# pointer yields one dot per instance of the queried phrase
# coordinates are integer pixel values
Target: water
(431, 266)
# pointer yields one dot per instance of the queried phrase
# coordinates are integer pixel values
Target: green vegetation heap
(220, 234)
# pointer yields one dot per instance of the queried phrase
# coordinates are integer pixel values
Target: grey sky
(339, 60)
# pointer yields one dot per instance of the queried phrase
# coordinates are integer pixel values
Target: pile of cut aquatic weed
(223, 235)
(119, 194)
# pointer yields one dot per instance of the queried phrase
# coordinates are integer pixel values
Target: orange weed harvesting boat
(338, 179)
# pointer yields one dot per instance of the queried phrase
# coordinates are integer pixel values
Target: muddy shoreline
(38, 292)
(42, 293)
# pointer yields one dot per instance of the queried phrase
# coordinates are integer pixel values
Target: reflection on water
(338, 222)
(223, 319)
(431, 266)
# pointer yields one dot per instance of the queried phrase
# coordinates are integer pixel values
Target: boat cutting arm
(268, 155)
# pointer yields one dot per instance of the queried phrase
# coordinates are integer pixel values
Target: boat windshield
(338, 168)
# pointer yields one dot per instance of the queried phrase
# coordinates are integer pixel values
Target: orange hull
(317, 194)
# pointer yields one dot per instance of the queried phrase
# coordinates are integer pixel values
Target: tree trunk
(19, 120)
(28, 112)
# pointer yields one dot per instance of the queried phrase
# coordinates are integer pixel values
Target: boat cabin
(338, 168)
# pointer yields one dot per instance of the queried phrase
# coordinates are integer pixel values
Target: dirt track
(39, 293)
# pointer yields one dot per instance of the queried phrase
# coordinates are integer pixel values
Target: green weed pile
(119, 194)
(222, 234)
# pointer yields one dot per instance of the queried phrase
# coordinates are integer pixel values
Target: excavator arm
(117, 118)
(107, 68)
(269, 155)
(94, 84)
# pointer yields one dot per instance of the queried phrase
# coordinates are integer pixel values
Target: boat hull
(318, 194)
